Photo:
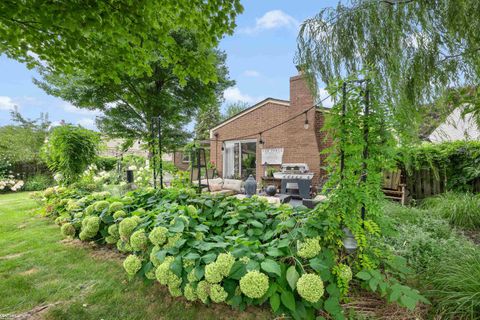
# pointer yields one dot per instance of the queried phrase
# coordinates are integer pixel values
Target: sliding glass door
(239, 159)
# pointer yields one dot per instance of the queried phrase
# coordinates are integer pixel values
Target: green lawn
(41, 274)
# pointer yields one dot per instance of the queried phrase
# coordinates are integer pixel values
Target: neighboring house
(113, 148)
(456, 127)
(237, 150)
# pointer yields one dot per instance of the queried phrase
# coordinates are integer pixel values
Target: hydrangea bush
(215, 249)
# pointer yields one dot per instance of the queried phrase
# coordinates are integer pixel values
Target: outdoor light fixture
(260, 141)
(306, 125)
(349, 241)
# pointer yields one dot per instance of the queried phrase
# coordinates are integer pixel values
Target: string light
(260, 141)
(306, 125)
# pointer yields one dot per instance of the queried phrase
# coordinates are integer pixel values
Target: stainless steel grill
(296, 179)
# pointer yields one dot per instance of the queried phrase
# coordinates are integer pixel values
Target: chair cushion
(215, 187)
(232, 184)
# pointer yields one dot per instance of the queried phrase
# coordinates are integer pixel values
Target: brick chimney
(302, 146)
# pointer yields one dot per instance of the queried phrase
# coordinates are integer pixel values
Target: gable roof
(260, 104)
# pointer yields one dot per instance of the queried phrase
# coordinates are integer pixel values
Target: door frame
(240, 150)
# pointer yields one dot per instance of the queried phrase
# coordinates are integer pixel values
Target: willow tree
(416, 48)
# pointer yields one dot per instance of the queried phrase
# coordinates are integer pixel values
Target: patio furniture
(312, 203)
(392, 186)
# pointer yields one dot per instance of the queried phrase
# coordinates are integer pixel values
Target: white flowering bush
(10, 184)
(215, 249)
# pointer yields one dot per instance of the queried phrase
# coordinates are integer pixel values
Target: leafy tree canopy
(111, 38)
(416, 48)
(128, 106)
(22, 142)
(234, 108)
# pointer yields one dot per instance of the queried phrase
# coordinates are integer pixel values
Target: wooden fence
(424, 183)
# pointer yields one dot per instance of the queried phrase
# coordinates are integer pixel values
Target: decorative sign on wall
(272, 156)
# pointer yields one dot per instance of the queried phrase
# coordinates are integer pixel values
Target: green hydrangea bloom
(175, 291)
(90, 226)
(126, 227)
(153, 256)
(139, 240)
(61, 190)
(68, 230)
(203, 289)
(72, 205)
(111, 239)
(101, 205)
(192, 277)
(132, 264)
(173, 240)
(119, 214)
(217, 293)
(165, 276)
(199, 236)
(123, 246)
(115, 206)
(150, 274)
(89, 210)
(344, 272)
(187, 263)
(212, 273)
(78, 215)
(224, 263)
(254, 284)
(113, 230)
(127, 199)
(48, 192)
(309, 248)
(158, 235)
(189, 292)
(191, 210)
(244, 259)
(310, 287)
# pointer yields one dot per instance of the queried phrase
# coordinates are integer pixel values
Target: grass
(446, 263)
(41, 273)
(460, 209)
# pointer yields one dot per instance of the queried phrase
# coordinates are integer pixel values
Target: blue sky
(260, 59)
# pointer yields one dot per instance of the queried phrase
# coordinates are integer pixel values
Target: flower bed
(214, 249)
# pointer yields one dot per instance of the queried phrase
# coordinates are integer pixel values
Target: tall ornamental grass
(460, 209)
(456, 286)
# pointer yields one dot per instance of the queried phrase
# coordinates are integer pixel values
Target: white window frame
(240, 150)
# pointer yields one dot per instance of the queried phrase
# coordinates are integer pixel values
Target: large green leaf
(275, 302)
(271, 266)
(292, 277)
(288, 299)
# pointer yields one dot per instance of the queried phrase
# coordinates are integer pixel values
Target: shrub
(219, 249)
(456, 286)
(106, 163)
(461, 209)
(70, 150)
(38, 182)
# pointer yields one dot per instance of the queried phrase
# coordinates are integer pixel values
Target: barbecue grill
(296, 179)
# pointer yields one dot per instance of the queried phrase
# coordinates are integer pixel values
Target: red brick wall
(300, 145)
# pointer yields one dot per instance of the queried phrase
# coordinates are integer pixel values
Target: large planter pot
(271, 190)
(250, 186)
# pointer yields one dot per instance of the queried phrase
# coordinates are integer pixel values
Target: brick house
(237, 139)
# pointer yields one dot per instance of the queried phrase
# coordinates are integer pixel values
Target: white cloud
(323, 94)
(251, 73)
(72, 109)
(234, 94)
(87, 123)
(6, 103)
(274, 19)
